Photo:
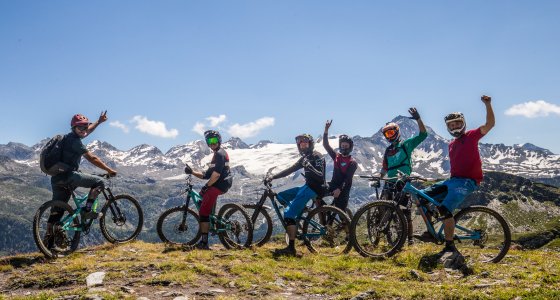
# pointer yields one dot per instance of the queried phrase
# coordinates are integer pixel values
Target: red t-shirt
(464, 156)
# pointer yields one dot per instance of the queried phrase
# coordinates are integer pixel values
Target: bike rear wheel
(483, 234)
(179, 226)
(122, 219)
(326, 231)
(378, 229)
(52, 240)
(262, 224)
(235, 229)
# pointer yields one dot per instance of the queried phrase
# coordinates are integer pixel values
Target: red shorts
(209, 201)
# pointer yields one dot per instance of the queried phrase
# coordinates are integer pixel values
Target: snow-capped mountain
(430, 159)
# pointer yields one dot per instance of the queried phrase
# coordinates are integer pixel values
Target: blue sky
(273, 69)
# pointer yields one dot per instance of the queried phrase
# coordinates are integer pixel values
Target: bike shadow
(22, 262)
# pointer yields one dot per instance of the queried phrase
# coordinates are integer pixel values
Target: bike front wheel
(234, 226)
(122, 219)
(326, 230)
(179, 226)
(55, 231)
(262, 224)
(378, 229)
(482, 233)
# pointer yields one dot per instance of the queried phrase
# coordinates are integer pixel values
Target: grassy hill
(150, 270)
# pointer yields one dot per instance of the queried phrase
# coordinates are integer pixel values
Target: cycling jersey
(220, 164)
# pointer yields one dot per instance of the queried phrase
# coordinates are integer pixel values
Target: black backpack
(50, 159)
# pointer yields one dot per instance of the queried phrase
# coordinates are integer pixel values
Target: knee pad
(204, 219)
(290, 221)
(445, 212)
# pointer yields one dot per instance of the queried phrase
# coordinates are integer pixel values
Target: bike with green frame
(120, 219)
(180, 225)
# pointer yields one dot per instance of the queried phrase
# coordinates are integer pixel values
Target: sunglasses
(82, 128)
(302, 139)
(389, 133)
(212, 141)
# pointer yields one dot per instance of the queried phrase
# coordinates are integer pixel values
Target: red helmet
(79, 120)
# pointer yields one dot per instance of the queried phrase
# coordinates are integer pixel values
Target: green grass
(149, 268)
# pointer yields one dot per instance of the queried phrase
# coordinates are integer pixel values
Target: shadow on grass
(25, 261)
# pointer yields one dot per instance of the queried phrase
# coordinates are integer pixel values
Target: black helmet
(210, 137)
(345, 139)
(452, 117)
(305, 138)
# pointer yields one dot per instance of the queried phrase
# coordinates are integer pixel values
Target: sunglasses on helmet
(302, 139)
(212, 140)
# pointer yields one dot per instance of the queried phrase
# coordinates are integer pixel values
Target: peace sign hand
(103, 117)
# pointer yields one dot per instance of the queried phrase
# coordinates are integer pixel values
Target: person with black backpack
(66, 153)
(398, 157)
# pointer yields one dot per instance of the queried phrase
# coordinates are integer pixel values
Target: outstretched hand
(486, 99)
(414, 113)
(103, 117)
(188, 169)
(328, 125)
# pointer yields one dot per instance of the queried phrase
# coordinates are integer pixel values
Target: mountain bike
(180, 225)
(322, 229)
(476, 227)
(120, 219)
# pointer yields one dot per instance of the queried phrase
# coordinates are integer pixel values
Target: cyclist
(72, 151)
(344, 167)
(466, 169)
(296, 198)
(397, 157)
(219, 181)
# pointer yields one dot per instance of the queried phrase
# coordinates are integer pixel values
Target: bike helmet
(212, 137)
(345, 139)
(304, 138)
(391, 131)
(452, 117)
(79, 120)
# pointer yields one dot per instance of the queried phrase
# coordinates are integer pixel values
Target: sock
(204, 238)
(450, 245)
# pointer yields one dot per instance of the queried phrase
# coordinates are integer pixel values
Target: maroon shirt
(464, 156)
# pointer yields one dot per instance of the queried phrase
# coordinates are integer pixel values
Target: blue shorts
(295, 200)
(451, 192)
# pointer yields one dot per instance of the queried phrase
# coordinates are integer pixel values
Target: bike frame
(197, 200)
(269, 193)
(418, 194)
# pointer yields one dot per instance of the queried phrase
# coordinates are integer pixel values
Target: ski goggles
(82, 128)
(212, 141)
(390, 133)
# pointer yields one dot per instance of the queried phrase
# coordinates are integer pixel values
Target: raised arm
(326, 145)
(102, 118)
(490, 119)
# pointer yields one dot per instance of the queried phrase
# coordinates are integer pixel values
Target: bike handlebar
(105, 175)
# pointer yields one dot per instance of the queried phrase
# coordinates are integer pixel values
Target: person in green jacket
(398, 157)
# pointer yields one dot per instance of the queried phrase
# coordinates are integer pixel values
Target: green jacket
(398, 157)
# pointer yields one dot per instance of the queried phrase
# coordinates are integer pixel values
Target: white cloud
(533, 109)
(120, 125)
(156, 128)
(215, 121)
(250, 129)
(199, 128)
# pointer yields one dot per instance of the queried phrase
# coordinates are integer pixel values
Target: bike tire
(336, 222)
(172, 230)
(495, 229)
(122, 219)
(362, 230)
(262, 225)
(39, 229)
(236, 232)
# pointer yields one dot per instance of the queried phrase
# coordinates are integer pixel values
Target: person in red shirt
(466, 169)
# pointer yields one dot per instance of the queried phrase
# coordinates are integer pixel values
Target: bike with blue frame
(180, 225)
(120, 219)
(379, 228)
(322, 229)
